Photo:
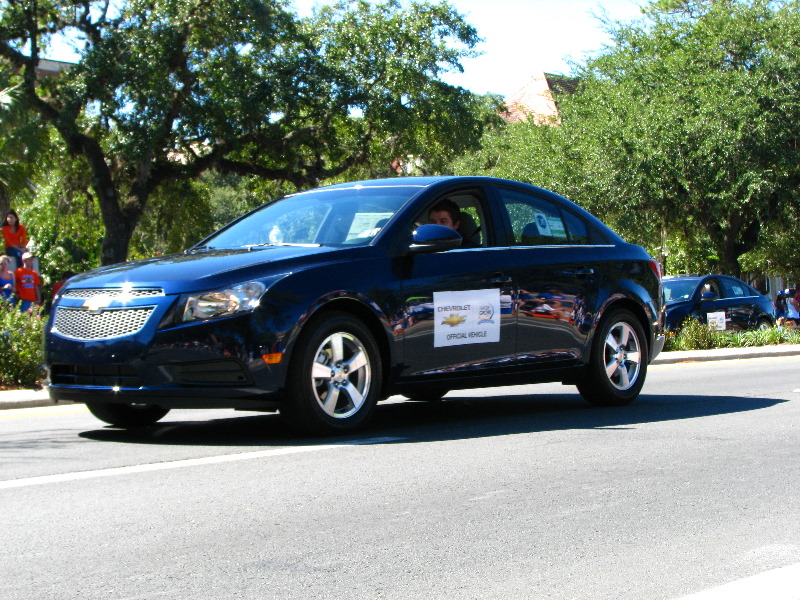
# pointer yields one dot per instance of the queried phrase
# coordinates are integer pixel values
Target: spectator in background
(792, 308)
(7, 282)
(29, 284)
(780, 308)
(15, 237)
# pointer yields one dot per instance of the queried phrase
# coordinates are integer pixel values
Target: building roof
(537, 99)
(52, 68)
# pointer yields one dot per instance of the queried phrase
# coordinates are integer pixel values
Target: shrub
(21, 347)
(694, 335)
(697, 336)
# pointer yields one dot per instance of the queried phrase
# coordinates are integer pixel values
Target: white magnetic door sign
(467, 317)
(717, 320)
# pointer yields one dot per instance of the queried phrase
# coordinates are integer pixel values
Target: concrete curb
(668, 358)
(35, 398)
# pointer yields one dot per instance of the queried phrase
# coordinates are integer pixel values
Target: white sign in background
(466, 317)
(717, 320)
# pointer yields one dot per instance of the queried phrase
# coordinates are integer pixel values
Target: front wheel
(618, 361)
(127, 416)
(335, 377)
(763, 325)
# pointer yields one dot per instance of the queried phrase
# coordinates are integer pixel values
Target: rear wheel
(127, 415)
(618, 363)
(335, 377)
(763, 324)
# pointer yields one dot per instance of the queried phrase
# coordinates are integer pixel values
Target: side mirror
(434, 238)
(708, 296)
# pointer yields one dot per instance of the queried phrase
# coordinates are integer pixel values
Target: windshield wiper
(267, 244)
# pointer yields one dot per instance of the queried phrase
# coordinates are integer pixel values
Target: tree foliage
(18, 152)
(168, 90)
(685, 132)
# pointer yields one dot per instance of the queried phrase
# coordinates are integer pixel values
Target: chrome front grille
(84, 325)
(114, 294)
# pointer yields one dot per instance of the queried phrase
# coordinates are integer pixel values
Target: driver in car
(446, 212)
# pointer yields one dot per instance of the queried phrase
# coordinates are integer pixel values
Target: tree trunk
(116, 241)
(119, 222)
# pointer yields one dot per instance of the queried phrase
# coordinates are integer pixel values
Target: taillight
(656, 266)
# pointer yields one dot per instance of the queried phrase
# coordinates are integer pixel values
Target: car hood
(208, 269)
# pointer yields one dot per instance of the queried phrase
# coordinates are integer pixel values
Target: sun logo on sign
(485, 314)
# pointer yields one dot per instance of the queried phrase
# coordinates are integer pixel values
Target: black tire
(618, 362)
(335, 376)
(126, 415)
(426, 395)
(763, 324)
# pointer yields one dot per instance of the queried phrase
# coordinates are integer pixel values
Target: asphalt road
(491, 494)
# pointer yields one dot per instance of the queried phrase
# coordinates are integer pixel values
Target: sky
(526, 37)
(522, 38)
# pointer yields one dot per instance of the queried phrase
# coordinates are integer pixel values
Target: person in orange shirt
(15, 236)
(29, 284)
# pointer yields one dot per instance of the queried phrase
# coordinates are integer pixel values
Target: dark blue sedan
(322, 303)
(718, 300)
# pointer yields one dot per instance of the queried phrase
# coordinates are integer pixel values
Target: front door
(458, 305)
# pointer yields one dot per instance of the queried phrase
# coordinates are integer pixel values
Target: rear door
(557, 262)
(739, 302)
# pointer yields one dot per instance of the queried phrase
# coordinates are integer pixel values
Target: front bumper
(213, 364)
(203, 397)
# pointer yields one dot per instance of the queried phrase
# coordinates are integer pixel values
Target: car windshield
(676, 290)
(350, 216)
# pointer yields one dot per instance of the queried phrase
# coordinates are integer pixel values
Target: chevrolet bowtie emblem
(97, 304)
(454, 320)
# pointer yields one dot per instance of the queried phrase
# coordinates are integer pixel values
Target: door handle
(499, 278)
(579, 272)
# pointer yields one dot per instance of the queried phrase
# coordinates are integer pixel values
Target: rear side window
(734, 289)
(539, 222)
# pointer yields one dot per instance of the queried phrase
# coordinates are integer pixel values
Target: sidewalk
(32, 398)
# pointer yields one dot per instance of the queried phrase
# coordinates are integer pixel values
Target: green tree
(167, 90)
(684, 134)
(18, 151)
(696, 110)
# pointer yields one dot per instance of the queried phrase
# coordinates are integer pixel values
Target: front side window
(711, 285)
(462, 211)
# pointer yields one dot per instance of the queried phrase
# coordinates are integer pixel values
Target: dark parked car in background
(324, 302)
(719, 300)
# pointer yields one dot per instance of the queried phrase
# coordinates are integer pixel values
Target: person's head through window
(446, 213)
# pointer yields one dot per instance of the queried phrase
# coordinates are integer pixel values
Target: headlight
(241, 298)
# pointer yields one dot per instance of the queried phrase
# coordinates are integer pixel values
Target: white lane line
(42, 411)
(179, 464)
(778, 584)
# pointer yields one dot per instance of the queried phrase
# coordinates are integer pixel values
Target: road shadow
(455, 418)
